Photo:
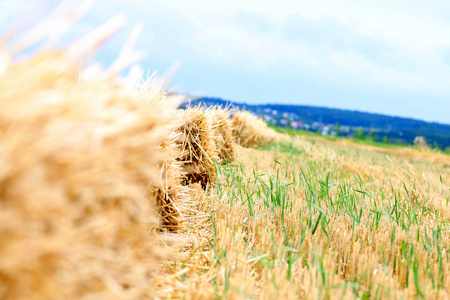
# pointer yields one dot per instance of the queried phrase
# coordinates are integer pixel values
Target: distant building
(296, 124)
(269, 118)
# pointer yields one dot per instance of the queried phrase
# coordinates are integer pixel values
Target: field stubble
(317, 219)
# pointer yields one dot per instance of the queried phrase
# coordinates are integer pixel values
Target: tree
(336, 129)
(359, 133)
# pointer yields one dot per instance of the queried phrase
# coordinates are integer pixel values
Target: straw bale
(86, 166)
(170, 195)
(197, 146)
(222, 134)
(420, 142)
(77, 158)
(250, 131)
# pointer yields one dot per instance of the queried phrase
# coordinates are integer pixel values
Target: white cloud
(399, 47)
(411, 31)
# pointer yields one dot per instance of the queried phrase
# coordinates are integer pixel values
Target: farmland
(316, 219)
(109, 191)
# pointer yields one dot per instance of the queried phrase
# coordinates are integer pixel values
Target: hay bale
(250, 131)
(420, 142)
(197, 147)
(222, 134)
(79, 160)
(170, 195)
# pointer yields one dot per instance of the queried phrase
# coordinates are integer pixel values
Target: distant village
(293, 121)
(343, 123)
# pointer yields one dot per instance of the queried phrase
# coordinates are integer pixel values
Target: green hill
(377, 126)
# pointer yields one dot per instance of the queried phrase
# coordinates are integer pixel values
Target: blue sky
(390, 57)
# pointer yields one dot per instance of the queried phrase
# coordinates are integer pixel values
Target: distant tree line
(385, 128)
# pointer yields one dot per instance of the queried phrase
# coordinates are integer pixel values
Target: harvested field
(107, 191)
(314, 219)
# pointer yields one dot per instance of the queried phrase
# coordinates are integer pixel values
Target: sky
(390, 57)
